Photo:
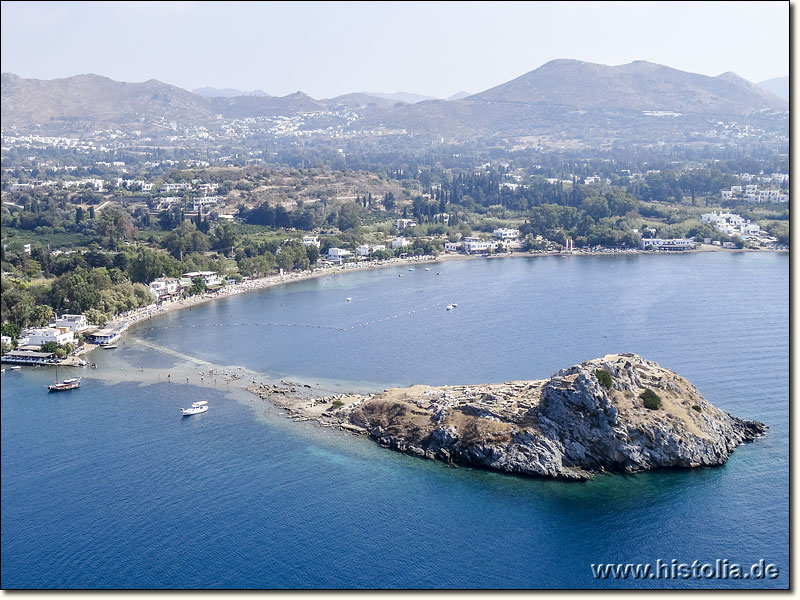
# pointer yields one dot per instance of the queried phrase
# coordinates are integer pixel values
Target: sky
(330, 48)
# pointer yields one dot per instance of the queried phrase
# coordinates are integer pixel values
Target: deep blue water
(108, 487)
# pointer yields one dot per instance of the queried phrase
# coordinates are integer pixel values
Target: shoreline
(147, 312)
(144, 313)
(301, 399)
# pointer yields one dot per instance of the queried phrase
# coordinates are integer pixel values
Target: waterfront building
(165, 288)
(42, 335)
(210, 278)
(75, 323)
(668, 244)
(338, 255)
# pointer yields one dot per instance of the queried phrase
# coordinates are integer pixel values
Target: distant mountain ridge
(639, 85)
(210, 92)
(562, 94)
(407, 97)
(777, 85)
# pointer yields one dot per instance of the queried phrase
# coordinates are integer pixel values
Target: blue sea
(109, 487)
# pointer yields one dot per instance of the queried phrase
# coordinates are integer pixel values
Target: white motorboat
(196, 409)
(349, 299)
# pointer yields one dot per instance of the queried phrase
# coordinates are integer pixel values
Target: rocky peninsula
(619, 413)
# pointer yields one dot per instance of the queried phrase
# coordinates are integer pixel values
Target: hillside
(96, 100)
(637, 86)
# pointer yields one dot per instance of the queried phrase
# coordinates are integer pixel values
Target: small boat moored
(196, 409)
(110, 346)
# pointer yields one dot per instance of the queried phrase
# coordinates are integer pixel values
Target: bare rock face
(589, 418)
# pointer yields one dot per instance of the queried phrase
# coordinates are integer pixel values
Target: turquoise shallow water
(107, 487)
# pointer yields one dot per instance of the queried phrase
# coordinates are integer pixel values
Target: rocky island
(620, 413)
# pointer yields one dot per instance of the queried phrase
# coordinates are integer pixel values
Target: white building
(472, 245)
(205, 201)
(75, 323)
(338, 255)
(721, 219)
(453, 246)
(749, 229)
(405, 223)
(730, 224)
(311, 240)
(42, 335)
(176, 187)
(506, 234)
(770, 195)
(210, 277)
(668, 244)
(366, 250)
(165, 287)
(400, 242)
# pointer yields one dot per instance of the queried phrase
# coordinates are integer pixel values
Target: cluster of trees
(344, 216)
(81, 291)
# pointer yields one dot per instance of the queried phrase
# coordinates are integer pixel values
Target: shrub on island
(650, 399)
(605, 379)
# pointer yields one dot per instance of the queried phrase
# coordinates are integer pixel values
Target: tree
(348, 217)
(224, 238)
(198, 286)
(50, 347)
(41, 315)
(313, 253)
(11, 330)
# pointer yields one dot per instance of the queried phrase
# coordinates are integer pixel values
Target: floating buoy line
(305, 325)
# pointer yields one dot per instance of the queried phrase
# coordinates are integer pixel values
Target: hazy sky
(331, 48)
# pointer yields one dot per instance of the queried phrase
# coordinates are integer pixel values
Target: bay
(108, 487)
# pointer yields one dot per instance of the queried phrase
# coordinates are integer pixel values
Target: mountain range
(777, 85)
(559, 93)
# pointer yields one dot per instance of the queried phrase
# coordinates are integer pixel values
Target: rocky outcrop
(586, 419)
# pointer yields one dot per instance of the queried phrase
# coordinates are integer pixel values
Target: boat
(196, 409)
(15, 368)
(110, 347)
(449, 307)
(411, 269)
(349, 299)
(68, 384)
(427, 268)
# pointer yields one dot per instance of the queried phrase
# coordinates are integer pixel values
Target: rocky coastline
(619, 413)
